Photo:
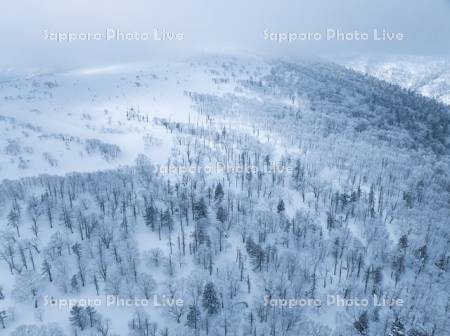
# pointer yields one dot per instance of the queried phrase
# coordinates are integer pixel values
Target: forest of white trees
(359, 208)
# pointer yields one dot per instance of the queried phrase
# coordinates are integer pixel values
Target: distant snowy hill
(426, 75)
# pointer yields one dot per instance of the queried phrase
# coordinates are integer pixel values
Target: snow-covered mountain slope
(427, 75)
(254, 191)
(101, 116)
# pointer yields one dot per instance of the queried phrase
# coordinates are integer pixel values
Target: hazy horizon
(233, 28)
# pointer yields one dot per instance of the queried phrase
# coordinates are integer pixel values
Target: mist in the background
(232, 26)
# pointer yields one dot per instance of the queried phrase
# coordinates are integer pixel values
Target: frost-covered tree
(210, 301)
(34, 330)
(78, 317)
(193, 317)
(28, 286)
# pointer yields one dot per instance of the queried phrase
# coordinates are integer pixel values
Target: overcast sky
(228, 26)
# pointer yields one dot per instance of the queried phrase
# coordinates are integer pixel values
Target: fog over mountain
(224, 27)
